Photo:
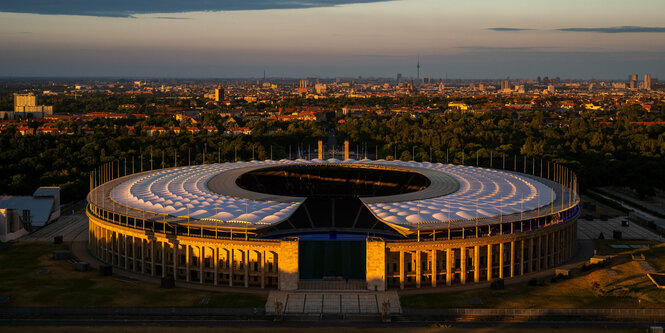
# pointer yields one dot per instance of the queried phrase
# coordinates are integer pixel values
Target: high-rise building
(23, 100)
(632, 84)
(321, 88)
(399, 77)
(632, 81)
(219, 93)
(26, 105)
(506, 85)
(647, 81)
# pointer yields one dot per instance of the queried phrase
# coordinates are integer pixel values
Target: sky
(470, 39)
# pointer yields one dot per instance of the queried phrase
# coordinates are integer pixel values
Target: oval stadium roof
(457, 192)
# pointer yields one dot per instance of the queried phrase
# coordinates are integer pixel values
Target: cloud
(616, 30)
(509, 29)
(128, 8)
(498, 48)
(171, 18)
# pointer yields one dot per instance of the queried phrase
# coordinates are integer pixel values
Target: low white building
(25, 213)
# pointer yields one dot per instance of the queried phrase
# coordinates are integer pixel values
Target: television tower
(418, 68)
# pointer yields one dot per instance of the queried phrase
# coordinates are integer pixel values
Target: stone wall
(376, 264)
(288, 264)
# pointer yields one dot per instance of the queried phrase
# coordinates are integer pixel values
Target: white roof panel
(482, 193)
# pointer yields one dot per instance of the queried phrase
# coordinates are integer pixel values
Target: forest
(601, 153)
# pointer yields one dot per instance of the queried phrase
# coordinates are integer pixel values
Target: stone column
(401, 269)
(557, 248)
(134, 264)
(216, 265)
(489, 262)
(126, 253)
(476, 264)
(110, 248)
(231, 262)
(530, 254)
(263, 269)
(288, 264)
(202, 258)
(522, 257)
(163, 259)
(434, 267)
(462, 261)
(375, 274)
(153, 257)
(247, 269)
(117, 239)
(561, 244)
(91, 237)
(418, 268)
(539, 253)
(449, 267)
(501, 263)
(188, 262)
(175, 260)
(143, 256)
(547, 253)
(512, 259)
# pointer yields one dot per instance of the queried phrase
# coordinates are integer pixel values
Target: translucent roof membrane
(183, 192)
(483, 193)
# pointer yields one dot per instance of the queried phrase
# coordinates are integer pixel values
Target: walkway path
(68, 226)
(592, 229)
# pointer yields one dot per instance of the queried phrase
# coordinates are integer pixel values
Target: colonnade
(435, 263)
(263, 263)
(191, 259)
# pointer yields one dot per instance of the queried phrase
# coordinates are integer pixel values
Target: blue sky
(606, 39)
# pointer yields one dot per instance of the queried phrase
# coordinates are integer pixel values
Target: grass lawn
(31, 278)
(621, 290)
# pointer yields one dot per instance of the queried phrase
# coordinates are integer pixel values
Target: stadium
(333, 224)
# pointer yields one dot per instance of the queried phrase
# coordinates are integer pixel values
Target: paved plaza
(592, 229)
(67, 226)
(333, 302)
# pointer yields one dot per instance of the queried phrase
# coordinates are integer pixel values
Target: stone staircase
(322, 303)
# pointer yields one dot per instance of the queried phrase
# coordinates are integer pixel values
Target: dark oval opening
(336, 181)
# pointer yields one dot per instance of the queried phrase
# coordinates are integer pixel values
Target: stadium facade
(384, 224)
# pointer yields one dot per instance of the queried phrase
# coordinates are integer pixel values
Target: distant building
(238, 130)
(303, 87)
(25, 105)
(632, 81)
(219, 94)
(647, 81)
(506, 86)
(321, 88)
(461, 106)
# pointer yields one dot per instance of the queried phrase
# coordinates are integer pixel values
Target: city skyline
(478, 40)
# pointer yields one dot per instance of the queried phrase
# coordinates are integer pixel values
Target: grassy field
(627, 288)
(31, 278)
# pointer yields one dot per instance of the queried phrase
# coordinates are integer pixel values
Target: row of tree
(617, 154)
